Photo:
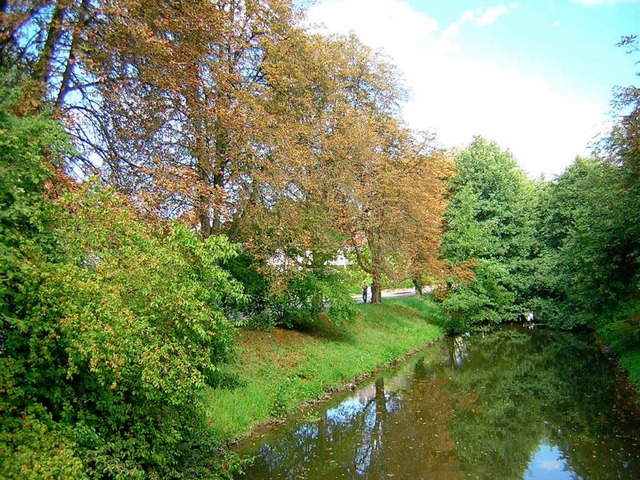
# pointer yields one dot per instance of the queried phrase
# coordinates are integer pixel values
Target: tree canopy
(489, 224)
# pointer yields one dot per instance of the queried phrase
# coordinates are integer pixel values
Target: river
(516, 403)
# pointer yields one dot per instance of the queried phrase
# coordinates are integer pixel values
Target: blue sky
(534, 75)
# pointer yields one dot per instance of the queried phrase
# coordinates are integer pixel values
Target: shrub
(111, 325)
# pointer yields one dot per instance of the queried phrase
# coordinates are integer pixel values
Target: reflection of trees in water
(605, 442)
(492, 423)
(481, 418)
(347, 441)
(372, 429)
(386, 433)
(530, 386)
(418, 442)
(457, 350)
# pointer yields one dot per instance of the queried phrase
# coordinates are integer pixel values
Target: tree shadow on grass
(324, 328)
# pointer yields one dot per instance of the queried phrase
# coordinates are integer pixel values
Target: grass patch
(278, 371)
(623, 338)
(423, 305)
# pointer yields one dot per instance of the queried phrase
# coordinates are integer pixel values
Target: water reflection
(515, 404)
(458, 351)
(550, 463)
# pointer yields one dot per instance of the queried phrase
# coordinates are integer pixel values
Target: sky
(536, 76)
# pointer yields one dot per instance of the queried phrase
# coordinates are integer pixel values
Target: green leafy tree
(489, 222)
(588, 222)
(588, 259)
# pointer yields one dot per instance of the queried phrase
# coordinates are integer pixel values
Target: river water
(516, 403)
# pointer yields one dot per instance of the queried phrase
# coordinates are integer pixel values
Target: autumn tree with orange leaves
(397, 223)
(230, 117)
(204, 122)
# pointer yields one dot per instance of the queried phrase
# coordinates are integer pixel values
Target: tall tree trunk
(204, 218)
(43, 69)
(218, 183)
(417, 285)
(204, 199)
(221, 137)
(376, 288)
(376, 274)
(83, 16)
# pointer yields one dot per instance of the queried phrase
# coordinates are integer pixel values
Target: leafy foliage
(588, 254)
(290, 143)
(110, 326)
(490, 222)
(31, 443)
(308, 296)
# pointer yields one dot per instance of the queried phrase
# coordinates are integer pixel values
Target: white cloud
(544, 127)
(374, 21)
(551, 465)
(459, 96)
(389, 25)
(597, 3)
(480, 17)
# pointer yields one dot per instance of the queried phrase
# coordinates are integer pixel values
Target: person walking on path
(364, 291)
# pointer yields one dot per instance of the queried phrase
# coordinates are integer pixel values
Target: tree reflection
(520, 390)
(513, 404)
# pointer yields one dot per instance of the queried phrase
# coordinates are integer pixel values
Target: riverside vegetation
(278, 371)
(153, 210)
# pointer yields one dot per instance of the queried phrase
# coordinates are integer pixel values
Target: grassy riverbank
(278, 371)
(621, 336)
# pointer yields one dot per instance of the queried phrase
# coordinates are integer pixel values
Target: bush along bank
(276, 373)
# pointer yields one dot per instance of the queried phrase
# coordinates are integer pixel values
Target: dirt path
(395, 293)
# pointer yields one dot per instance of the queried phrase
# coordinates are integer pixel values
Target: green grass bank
(277, 372)
(622, 337)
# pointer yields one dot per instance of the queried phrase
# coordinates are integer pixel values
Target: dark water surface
(512, 404)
